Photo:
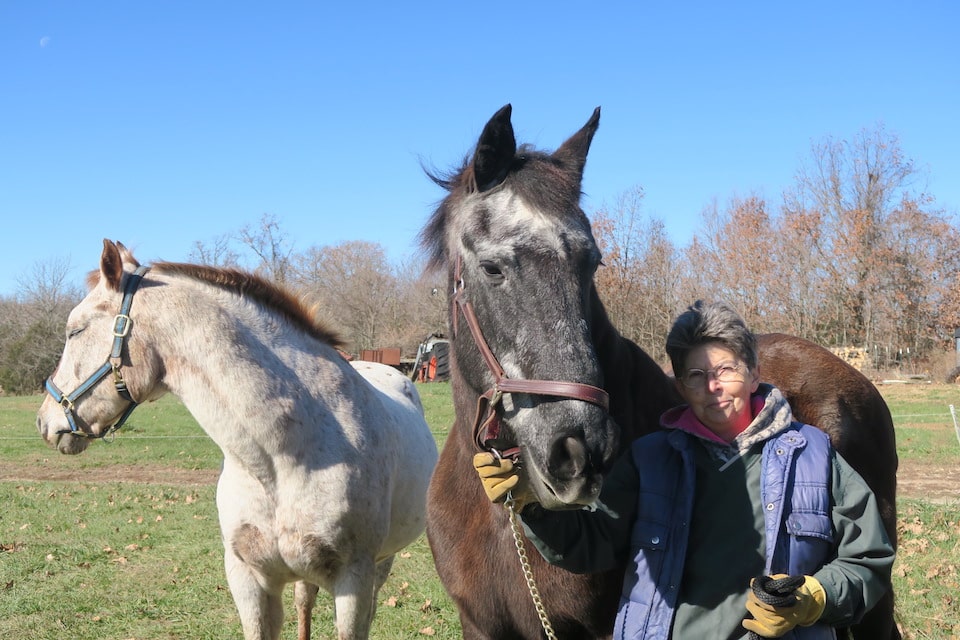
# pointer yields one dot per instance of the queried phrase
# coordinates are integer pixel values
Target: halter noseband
(487, 424)
(121, 329)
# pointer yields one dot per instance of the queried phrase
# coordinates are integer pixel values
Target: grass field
(87, 553)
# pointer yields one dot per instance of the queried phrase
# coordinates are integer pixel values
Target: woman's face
(717, 385)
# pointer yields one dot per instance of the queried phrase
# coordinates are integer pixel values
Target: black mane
(540, 179)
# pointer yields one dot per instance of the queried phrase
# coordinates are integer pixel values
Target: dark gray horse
(539, 369)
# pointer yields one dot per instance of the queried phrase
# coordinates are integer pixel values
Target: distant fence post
(953, 414)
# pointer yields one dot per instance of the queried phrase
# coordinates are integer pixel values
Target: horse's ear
(574, 150)
(495, 150)
(111, 265)
(126, 255)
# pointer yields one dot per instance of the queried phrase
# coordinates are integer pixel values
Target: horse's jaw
(584, 495)
(578, 493)
(62, 442)
(55, 430)
(565, 467)
(71, 445)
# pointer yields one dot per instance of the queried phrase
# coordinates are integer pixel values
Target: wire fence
(952, 414)
(127, 435)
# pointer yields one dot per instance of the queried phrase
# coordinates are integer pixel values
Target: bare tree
(849, 189)
(48, 285)
(638, 279)
(423, 299)
(353, 286)
(271, 246)
(739, 259)
(218, 252)
(920, 258)
(32, 326)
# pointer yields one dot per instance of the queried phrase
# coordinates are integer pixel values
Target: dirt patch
(936, 483)
(136, 474)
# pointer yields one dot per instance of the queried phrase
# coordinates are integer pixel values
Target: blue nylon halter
(121, 329)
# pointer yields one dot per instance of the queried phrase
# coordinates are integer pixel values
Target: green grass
(112, 561)
(438, 408)
(146, 561)
(85, 559)
(926, 576)
(924, 424)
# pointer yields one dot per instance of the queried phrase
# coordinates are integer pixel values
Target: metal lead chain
(510, 504)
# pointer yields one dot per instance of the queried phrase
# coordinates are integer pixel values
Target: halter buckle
(121, 325)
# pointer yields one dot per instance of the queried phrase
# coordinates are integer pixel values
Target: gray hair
(706, 322)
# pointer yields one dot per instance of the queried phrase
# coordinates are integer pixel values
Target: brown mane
(249, 285)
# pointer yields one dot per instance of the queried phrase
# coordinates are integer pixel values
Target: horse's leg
(383, 572)
(878, 623)
(260, 610)
(304, 597)
(353, 597)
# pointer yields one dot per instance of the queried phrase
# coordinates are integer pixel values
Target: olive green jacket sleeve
(585, 541)
(859, 576)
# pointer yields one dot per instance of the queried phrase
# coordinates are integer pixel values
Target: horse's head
(91, 392)
(521, 258)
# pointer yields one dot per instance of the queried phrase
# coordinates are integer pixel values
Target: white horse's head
(100, 376)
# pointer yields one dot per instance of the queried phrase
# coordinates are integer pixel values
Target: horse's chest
(287, 554)
(278, 537)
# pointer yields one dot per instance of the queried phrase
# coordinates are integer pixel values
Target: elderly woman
(731, 492)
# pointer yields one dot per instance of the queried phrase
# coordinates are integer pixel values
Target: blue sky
(160, 124)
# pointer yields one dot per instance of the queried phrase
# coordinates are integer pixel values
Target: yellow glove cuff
(772, 621)
(812, 592)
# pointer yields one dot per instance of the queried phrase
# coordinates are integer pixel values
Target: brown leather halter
(487, 423)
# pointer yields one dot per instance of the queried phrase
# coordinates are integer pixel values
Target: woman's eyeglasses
(697, 378)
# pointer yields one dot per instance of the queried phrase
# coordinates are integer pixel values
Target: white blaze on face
(518, 224)
(515, 219)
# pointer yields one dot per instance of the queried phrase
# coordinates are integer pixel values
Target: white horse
(326, 463)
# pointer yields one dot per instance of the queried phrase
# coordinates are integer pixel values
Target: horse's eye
(492, 271)
(74, 333)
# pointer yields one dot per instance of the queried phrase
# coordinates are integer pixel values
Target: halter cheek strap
(487, 423)
(121, 329)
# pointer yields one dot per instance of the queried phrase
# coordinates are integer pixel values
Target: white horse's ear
(126, 254)
(111, 265)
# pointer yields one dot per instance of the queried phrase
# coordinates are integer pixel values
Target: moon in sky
(44, 41)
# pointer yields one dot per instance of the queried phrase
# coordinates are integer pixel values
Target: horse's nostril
(568, 457)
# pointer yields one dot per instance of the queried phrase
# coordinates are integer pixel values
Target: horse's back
(390, 382)
(829, 393)
(402, 404)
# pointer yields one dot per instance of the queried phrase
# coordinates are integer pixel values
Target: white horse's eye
(73, 333)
